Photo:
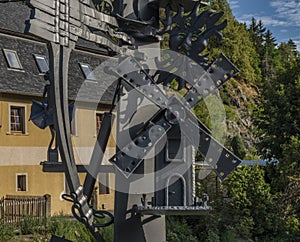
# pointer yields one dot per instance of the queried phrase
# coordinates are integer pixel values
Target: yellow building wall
(38, 184)
(22, 153)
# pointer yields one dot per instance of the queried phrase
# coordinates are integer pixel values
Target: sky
(281, 17)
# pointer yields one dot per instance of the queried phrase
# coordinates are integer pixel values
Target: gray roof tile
(30, 81)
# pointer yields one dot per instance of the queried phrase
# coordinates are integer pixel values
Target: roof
(29, 81)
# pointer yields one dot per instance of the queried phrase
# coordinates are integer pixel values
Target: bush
(229, 236)
(70, 229)
(178, 230)
(30, 225)
(6, 231)
(212, 236)
(238, 146)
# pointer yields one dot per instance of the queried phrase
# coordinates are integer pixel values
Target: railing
(14, 208)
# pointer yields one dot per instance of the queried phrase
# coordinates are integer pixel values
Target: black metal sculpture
(121, 27)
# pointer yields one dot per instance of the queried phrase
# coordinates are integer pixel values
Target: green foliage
(231, 114)
(35, 230)
(251, 197)
(278, 126)
(247, 188)
(202, 113)
(238, 146)
(6, 231)
(236, 44)
(257, 35)
(212, 236)
(178, 230)
(71, 229)
(107, 233)
(30, 225)
(263, 203)
(229, 236)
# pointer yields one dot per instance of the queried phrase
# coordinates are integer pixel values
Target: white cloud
(288, 10)
(267, 20)
(234, 4)
(284, 31)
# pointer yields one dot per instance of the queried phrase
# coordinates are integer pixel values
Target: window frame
(26, 182)
(95, 116)
(101, 186)
(182, 147)
(73, 124)
(24, 119)
(89, 76)
(36, 56)
(10, 67)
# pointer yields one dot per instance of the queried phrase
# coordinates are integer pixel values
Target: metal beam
(59, 167)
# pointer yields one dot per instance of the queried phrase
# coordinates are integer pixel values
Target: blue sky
(281, 17)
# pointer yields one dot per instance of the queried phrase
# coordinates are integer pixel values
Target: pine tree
(288, 54)
(293, 47)
(236, 44)
(270, 58)
(257, 35)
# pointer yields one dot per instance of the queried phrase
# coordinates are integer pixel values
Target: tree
(293, 46)
(288, 54)
(279, 131)
(257, 35)
(238, 146)
(270, 59)
(237, 46)
(277, 118)
(253, 204)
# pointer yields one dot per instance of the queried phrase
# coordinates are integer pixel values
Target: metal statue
(125, 27)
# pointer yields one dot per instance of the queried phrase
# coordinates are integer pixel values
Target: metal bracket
(138, 78)
(141, 145)
(219, 72)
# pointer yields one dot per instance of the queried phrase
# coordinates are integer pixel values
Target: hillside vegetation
(262, 107)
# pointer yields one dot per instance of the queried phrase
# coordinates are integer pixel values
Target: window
(103, 179)
(73, 117)
(12, 59)
(21, 182)
(17, 119)
(87, 71)
(42, 63)
(99, 118)
(175, 150)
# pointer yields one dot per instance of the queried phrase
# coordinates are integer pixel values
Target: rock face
(240, 101)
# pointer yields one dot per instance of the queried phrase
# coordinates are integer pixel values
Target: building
(23, 146)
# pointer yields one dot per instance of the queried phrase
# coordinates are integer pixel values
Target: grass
(31, 229)
(7, 231)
